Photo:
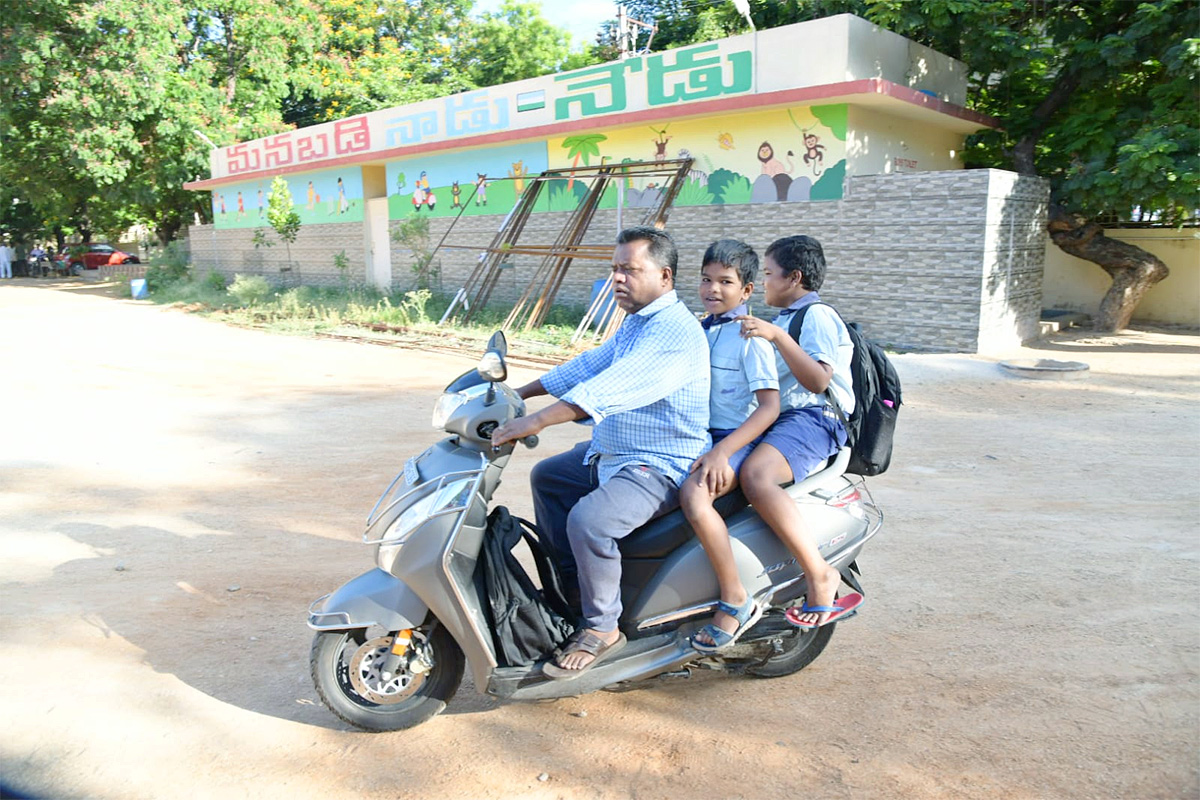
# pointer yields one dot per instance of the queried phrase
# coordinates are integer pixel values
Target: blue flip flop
(844, 607)
(749, 613)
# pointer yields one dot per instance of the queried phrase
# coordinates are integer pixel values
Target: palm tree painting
(582, 147)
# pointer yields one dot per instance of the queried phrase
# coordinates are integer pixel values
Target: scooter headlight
(446, 405)
(452, 497)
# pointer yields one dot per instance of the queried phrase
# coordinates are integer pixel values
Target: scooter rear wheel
(345, 669)
(799, 650)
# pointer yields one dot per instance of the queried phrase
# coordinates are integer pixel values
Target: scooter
(392, 644)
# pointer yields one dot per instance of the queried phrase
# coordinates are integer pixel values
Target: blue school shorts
(805, 437)
(735, 460)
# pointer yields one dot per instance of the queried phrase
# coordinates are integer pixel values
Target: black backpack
(527, 623)
(876, 400)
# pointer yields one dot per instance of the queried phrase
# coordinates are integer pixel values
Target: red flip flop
(843, 607)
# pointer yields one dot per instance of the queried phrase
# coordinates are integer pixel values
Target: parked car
(76, 257)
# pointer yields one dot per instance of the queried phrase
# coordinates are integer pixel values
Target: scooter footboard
(373, 598)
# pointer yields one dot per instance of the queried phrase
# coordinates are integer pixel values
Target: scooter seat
(660, 536)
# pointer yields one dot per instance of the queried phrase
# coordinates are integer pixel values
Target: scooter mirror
(491, 367)
(498, 343)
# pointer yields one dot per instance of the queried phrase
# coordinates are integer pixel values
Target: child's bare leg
(697, 505)
(761, 475)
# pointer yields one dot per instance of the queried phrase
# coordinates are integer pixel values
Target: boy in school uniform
(808, 430)
(743, 403)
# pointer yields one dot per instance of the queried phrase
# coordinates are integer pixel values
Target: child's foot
(729, 623)
(726, 622)
(822, 591)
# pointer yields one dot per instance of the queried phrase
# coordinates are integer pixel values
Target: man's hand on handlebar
(524, 427)
(518, 428)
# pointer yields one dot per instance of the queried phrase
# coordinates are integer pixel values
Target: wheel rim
(361, 670)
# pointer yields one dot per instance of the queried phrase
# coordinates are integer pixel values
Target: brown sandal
(582, 641)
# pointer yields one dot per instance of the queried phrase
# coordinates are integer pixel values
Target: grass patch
(308, 310)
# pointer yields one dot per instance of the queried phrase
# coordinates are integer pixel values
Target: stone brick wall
(938, 261)
(232, 251)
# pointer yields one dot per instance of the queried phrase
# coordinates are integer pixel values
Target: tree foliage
(1098, 96)
(108, 106)
(515, 43)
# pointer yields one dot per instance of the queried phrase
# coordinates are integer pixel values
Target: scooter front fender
(373, 598)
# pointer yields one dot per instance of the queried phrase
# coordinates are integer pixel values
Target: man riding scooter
(646, 391)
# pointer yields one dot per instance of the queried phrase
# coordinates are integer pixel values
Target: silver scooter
(392, 644)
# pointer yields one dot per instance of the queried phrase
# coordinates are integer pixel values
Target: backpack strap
(794, 328)
(552, 589)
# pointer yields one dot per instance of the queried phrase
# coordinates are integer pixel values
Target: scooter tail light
(847, 498)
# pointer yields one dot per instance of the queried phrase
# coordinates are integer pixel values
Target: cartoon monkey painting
(813, 156)
(456, 191)
(773, 167)
(660, 144)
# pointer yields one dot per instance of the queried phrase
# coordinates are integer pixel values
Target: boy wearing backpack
(808, 429)
(743, 402)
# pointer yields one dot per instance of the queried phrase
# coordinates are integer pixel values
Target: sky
(581, 17)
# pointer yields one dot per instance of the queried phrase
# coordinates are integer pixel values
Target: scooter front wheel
(350, 672)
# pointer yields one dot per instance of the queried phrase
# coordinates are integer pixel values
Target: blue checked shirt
(646, 391)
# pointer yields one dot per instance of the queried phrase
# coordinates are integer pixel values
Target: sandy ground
(175, 492)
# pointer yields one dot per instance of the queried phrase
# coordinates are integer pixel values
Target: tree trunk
(167, 229)
(1133, 270)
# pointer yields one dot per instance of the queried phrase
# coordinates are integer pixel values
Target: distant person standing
(6, 259)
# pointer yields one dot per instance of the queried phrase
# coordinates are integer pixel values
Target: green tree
(1098, 96)
(514, 43)
(281, 214)
(100, 101)
(382, 54)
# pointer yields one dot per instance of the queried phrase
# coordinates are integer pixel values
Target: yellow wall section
(731, 142)
(1079, 285)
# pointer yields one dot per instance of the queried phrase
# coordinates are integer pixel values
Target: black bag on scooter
(872, 424)
(527, 623)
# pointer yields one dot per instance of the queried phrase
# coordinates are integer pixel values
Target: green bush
(249, 290)
(170, 265)
(215, 281)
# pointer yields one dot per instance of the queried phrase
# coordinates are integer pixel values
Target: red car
(78, 257)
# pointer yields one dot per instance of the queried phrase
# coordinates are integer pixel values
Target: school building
(835, 128)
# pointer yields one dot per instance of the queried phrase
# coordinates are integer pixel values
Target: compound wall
(937, 261)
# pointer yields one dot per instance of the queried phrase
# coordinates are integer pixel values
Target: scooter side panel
(373, 598)
(686, 579)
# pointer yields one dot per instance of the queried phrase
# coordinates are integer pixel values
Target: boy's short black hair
(736, 255)
(661, 248)
(801, 253)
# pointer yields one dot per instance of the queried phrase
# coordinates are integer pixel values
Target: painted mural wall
(465, 181)
(785, 154)
(317, 197)
(821, 52)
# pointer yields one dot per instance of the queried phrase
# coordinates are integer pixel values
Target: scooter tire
(330, 661)
(799, 650)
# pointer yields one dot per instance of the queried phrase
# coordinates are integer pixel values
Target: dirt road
(174, 493)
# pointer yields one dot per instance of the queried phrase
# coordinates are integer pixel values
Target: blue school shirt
(825, 338)
(740, 367)
(646, 390)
